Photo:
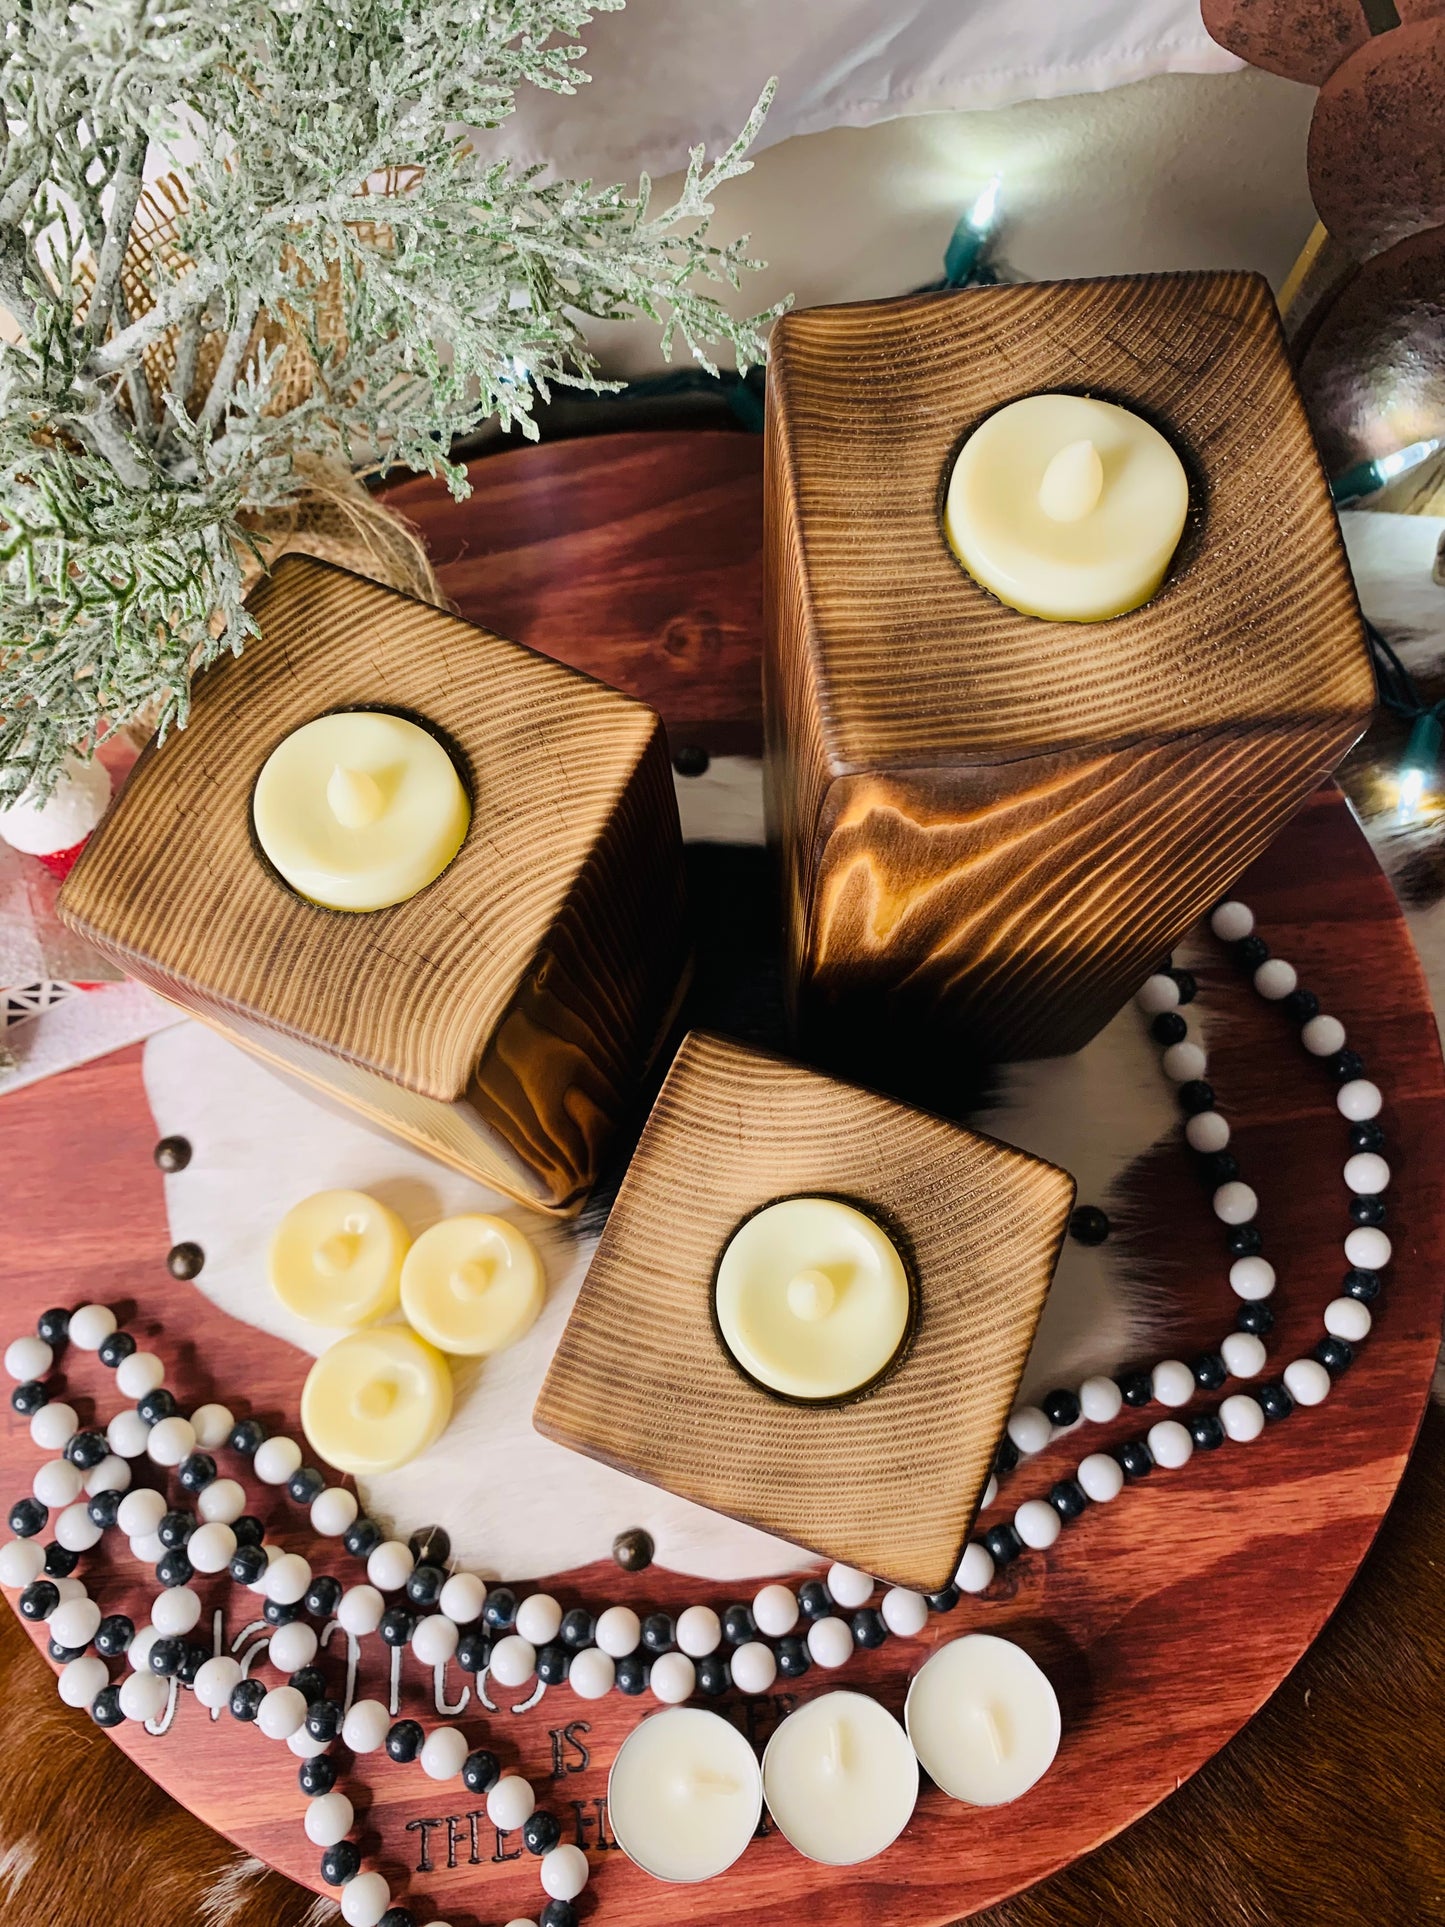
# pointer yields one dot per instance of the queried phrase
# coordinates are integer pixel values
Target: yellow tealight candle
(376, 1400)
(471, 1284)
(1067, 508)
(336, 1258)
(812, 1298)
(360, 809)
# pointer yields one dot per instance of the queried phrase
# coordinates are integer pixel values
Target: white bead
(1172, 1382)
(53, 1425)
(211, 1548)
(1100, 1399)
(334, 1511)
(539, 1618)
(57, 1483)
(1242, 1418)
(276, 1459)
(139, 1650)
(213, 1425)
(1235, 1203)
(775, 1611)
(76, 1530)
(1252, 1277)
(142, 1372)
(1037, 1524)
(1243, 1354)
(904, 1613)
(1347, 1318)
(563, 1872)
(672, 1678)
(435, 1639)
(293, 1646)
(511, 1803)
(1206, 1131)
(1030, 1429)
(143, 1696)
(74, 1623)
(1368, 1247)
(328, 1819)
(147, 1548)
(592, 1673)
(443, 1753)
(90, 1326)
(1232, 921)
(1367, 1174)
(273, 1553)
(618, 1631)
(1170, 1444)
(754, 1667)
(111, 1475)
(390, 1565)
(1184, 1063)
(215, 1681)
(514, 1660)
(366, 1726)
(1359, 1100)
(1157, 994)
(175, 1611)
(359, 1610)
(463, 1597)
(699, 1631)
(1101, 1476)
(1275, 979)
(990, 1493)
(1307, 1381)
(975, 1569)
(21, 1560)
(849, 1587)
(70, 1589)
(171, 1441)
(281, 1713)
(27, 1358)
(830, 1642)
(364, 1900)
(1322, 1036)
(288, 1579)
(222, 1502)
(83, 1680)
(127, 1435)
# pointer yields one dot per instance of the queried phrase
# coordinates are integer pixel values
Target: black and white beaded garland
(445, 1615)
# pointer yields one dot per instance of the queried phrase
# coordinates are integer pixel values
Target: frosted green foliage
(459, 299)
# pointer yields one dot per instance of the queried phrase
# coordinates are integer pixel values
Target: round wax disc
(983, 1719)
(375, 1400)
(840, 1779)
(684, 1795)
(471, 1285)
(336, 1259)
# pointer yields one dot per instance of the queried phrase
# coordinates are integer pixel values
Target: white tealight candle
(840, 1779)
(812, 1298)
(1067, 508)
(685, 1795)
(983, 1719)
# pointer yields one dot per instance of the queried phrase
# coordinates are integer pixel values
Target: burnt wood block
(503, 1017)
(991, 826)
(888, 1481)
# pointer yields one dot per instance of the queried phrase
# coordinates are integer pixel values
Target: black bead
(246, 1697)
(1346, 1065)
(1367, 1210)
(1364, 1285)
(323, 1596)
(868, 1628)
(1006, 1457)
(1168, 1028)
(62, 1655)
(793, 1660)
(1219, 1167)
(362, 1537)
(1062, 1408)
(193, 1658)
(403, 1742)
(424, 1585)
(1250, 952)
(474, 1650)
(1135, 1457)
(1273, 1400)
(323, 1719)
(1003, 1543)
(185, 1260)
(1186, 983)
(714, 1675)
(1210, 1371)
(431, 1546)
(245, 1436)
(341, 1863)
(397, 1917)
(540, 1833)
(39, 1599)
(1255, 1316)
(657, 1632)
(196, 1471)
(116, 1349)
(1335, 1354)
(554, 1662)
(632, 1674)
(113, 1635)
(1088, 1225)
(1367, 1136)
(309, 1683)
(104, 1509)
(481, 1771)
(500, 1611)
(739, 1626)
(1068, 1499)
(1301, 1005)
(1244, 1241)
(157, 1405)
(1136, 1388)
(54, 1326)
(1195, 1096)
(813, 1600)
(27, 1518)
(247, 1565)
(172, 1153)
(943, 1602)
(60, 1561)
(165, 1657)
(105, 1707)
(276, 1614)
(558, 1913)
(28, 1398)
(1206, 1431)
(317, 1776)
(176, 1528)
(633, 1550)
(305, 1485)
(397, 1625)
(248, 1529)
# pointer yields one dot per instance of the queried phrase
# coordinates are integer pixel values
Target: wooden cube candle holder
(889, 1480)
(501, 1018)
(992, 826)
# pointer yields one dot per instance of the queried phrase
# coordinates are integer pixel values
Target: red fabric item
(60, 863)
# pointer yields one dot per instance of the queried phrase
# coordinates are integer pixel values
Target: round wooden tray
(1165, 1620)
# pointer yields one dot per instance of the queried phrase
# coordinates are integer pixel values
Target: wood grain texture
(502, 1017)
(641, 1380)
(889, 673)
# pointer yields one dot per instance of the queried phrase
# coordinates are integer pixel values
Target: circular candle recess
(685, 1795)
(1066, 508)
(840, 1779)
(983, 1719)
(812, 1298)
(375, 1400)
(360, 809)
(471, 1284)
(335, 1259)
